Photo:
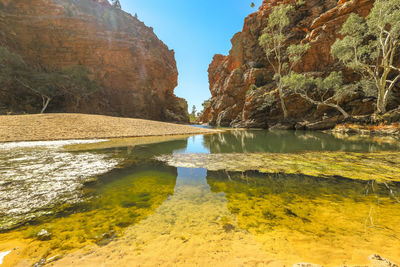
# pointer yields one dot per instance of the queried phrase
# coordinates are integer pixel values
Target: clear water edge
(217, 216)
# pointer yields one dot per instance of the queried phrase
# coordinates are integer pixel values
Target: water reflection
(328, 221)
(253, 141)
(161, 215)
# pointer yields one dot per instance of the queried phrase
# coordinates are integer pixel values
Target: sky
(196, 31)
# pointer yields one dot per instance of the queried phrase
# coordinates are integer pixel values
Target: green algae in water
(301, 217)
(125, 200)
(293, 216)
(378, 166)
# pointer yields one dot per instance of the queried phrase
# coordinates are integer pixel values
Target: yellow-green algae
(116, 205)
(379, 166)
(326, 221)
(307, 220)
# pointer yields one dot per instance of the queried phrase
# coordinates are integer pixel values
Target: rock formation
(316, 22)
(138, 72)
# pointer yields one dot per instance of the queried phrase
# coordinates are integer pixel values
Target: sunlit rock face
(316, 22)
(137, 70)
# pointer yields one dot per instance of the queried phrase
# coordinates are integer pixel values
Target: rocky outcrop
(138, 72)
(316, 22)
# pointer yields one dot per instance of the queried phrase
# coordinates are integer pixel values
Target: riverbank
(46, 127)
(358, 129)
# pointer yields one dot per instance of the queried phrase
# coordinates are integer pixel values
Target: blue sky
(195, 30)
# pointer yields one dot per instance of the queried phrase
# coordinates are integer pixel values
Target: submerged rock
(43, 235)
(378, 261)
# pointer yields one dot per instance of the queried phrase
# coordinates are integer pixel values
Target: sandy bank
(40, 127)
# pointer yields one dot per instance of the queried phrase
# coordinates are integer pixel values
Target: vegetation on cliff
(370, 47)
(247, 91)
(73, 81)
(281, 59)
(137, 71)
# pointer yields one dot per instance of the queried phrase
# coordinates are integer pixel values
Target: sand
(46, 127)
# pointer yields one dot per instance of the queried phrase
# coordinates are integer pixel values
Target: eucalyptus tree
(281, 57)
(370, 47)
(46, 83)
(328, 91)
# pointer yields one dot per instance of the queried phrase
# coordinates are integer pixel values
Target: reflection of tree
(305, 216)
(287, 142)
(380, 140)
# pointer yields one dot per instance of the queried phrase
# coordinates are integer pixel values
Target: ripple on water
(37, 178)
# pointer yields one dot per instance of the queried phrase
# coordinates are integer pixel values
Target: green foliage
(303, 84)
(319, 91)
(47, 84)
(11, 67)
(273, 36)
(300, 2)
(273, 40)
(206, 103)
(194, 110)
(193, 114)
(295, 52)
(370, 46)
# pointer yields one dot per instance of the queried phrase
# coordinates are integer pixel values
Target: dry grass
(41, 127)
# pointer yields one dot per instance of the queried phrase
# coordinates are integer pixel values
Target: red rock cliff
(137, 70)
(316, 22)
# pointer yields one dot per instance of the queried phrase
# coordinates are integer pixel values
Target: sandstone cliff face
(137, 70)
(318, 23)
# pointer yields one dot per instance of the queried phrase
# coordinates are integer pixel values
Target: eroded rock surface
(316, 22)
(137, 70)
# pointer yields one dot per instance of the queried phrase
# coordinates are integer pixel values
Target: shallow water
(141, 210)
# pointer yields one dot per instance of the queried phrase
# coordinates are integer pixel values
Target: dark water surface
(289, 217)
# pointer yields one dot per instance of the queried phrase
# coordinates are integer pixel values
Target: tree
(194, 111)
(77, 83)
(327, 91)
(370, 47)
(45, 83)
(116, 4)
(280, 57)
(192, 115)
(206, 103)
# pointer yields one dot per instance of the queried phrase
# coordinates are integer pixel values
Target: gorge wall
(316, 22)
(137, 71)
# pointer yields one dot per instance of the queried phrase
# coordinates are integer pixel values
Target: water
(226, 199)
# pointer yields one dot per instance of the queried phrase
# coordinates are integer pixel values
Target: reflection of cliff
(327, 221)
(288, 142)
(137, 70)
(132, 156)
